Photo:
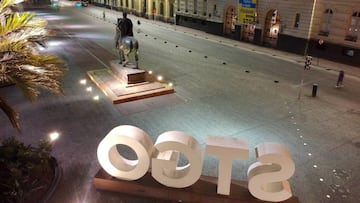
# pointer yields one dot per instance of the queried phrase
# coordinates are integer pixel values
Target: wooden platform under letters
(203, 191)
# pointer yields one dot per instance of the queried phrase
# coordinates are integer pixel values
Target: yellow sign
(247, 11)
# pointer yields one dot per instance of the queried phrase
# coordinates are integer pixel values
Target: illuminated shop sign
(267, 178)
(247, 11)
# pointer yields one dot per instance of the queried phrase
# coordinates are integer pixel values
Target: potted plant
(27, 173)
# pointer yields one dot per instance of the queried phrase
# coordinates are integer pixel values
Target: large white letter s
(268, 177)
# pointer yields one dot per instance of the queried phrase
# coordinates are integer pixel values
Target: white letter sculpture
(165, 167)
(268, 177)
(227, 149)
(118, 166)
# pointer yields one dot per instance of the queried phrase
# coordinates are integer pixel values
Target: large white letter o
(118, 166)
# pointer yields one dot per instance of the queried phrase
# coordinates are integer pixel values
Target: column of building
(167, 9)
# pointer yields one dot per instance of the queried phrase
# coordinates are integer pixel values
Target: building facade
(336, 24)
(322, 28)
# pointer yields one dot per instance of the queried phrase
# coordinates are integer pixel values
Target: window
(186, 5)
(204, 7)
(178, 5)
(274, 17)
(214, 10)
(171, 10)
(154, 11)
(161, 8)
(326, 21)
(353, 30)
(297, 20)
(195, 6)
(348, 52)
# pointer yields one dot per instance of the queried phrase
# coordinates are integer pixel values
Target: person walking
(138, 23)
(340, 80)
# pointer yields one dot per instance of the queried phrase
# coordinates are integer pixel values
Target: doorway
(230, 21)
(271, 28)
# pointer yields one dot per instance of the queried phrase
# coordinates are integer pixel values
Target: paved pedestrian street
(322, 132)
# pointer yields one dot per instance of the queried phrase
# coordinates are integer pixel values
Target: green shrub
(22, 169)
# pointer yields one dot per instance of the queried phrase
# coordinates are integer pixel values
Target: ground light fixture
(54, 136)
(82, 81)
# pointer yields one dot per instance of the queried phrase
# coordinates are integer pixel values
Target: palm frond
(6, 3)
(21, 64)
(36, 71)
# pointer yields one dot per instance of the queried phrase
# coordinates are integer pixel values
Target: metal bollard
(314, 90)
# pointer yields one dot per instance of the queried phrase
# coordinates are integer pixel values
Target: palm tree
(20, 62)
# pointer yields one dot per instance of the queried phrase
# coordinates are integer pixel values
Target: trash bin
(314, 90)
